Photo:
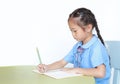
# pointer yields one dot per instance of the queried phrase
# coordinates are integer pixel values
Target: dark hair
(85, 17)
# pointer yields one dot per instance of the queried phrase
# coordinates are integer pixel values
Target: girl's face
(79, 33)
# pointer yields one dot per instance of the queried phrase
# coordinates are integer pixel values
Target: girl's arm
(98, 72)
(56, 65)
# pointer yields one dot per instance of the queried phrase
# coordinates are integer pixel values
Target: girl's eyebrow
(72, 28)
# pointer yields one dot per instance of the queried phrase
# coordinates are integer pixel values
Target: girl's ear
(88, 28)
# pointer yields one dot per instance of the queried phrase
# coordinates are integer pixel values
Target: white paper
(58, 74)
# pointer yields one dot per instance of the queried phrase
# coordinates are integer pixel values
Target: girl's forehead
(73, 25)
(72, 21)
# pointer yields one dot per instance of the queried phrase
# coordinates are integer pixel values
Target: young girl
(89, 54)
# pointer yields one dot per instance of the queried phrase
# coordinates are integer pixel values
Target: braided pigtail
(98, 33)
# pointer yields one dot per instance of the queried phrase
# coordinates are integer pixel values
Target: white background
(27, 24)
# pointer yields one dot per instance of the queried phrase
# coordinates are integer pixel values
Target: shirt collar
(89, 43)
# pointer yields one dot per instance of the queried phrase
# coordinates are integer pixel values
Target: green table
(25, 75)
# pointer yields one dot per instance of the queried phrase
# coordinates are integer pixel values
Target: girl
(89, 54)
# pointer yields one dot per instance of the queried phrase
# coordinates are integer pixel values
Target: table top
(25, 75)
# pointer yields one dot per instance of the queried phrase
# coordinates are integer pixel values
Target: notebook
(58, 74)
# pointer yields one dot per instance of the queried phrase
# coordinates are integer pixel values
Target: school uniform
(90, 55)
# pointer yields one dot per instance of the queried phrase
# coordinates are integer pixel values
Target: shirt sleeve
(70, 56)
(98, 56)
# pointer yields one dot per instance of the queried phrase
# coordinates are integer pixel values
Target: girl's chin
(76, 39)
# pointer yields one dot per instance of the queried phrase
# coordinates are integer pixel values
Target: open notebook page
(58, 74)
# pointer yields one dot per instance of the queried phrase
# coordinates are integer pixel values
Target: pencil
(37, 50)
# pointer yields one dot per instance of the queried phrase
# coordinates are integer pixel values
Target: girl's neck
(87, 39)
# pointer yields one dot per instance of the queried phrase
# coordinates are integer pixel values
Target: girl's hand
(71, 70)
(42, 68)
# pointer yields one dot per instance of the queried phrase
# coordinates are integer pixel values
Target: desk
(25, 75)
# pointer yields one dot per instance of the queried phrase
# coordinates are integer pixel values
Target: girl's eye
(74, 31)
